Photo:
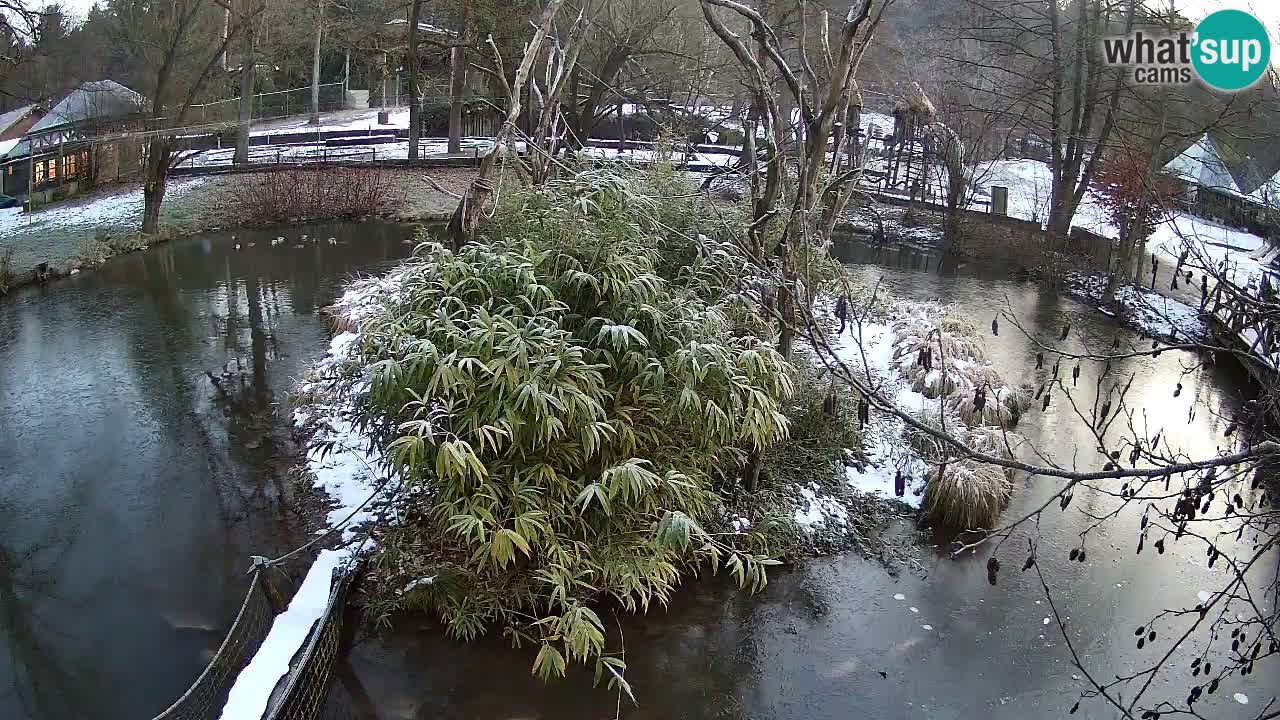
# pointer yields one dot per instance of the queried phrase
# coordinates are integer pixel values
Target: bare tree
(315, 64)
(415, 92)
(1029, 59)
(458, 77)
(821, 101)
(177, 47)
(466, 218)
(248, 88)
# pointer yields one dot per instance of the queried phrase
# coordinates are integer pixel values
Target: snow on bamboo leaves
(561, 413)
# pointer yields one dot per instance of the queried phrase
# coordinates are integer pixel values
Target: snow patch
(1157, 315)
(252, 691)
(887, 451)
(817, 508)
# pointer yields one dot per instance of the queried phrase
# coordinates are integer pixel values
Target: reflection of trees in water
(43, 684)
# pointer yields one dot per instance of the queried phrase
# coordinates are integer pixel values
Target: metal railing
(269, 106)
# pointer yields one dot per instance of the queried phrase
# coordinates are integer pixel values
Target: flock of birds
(279, 240)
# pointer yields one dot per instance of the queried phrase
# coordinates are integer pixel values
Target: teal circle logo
(1231, 50)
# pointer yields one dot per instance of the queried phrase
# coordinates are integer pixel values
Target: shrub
(967, 495)
(561, 414)
(331, 192)
(6, 270)
(103, 246)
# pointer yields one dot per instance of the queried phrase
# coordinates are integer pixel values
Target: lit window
(71, 165)
(39, 172)
(53, 169)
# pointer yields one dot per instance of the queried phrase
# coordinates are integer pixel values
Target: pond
(828, 639)
(132, 491)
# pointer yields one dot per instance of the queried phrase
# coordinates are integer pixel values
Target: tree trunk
(248, 81)
(458, 81)
(153, 186)
(315, 65)
(415, 103)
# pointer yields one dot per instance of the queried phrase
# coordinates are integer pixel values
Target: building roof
(13, 117)
(1202, 164)
(98, 100)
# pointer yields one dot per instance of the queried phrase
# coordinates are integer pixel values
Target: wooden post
(622, 129)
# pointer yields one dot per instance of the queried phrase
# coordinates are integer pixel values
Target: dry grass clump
(1003, 406)
(967, 495)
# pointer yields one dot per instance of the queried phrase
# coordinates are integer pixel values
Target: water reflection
(133, 485)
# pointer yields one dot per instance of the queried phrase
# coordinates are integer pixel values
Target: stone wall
(1020, 245)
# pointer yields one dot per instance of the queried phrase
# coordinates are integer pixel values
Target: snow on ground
(1156, 314)
(704, 158)
(303, 152)
(1030, 183)
(53, 234)
(111, 208)
(337, 121)
(885, 444)
(349, 471)
(819, 508)
(1244, 254)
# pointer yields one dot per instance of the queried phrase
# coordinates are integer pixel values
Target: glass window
(53, 168)
(71, 165)
(39, 172)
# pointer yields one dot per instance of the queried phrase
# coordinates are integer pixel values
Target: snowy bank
(1211, 244)
(885, 445)
(1144, 308)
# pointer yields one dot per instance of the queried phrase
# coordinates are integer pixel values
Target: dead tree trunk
(466, 218)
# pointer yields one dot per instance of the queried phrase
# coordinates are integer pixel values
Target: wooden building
(81, 142)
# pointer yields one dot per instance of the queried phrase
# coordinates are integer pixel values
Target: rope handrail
(223, 649)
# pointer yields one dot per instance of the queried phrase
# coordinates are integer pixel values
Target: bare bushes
(313, 194)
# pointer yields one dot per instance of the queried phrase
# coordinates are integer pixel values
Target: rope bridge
(301, 694)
